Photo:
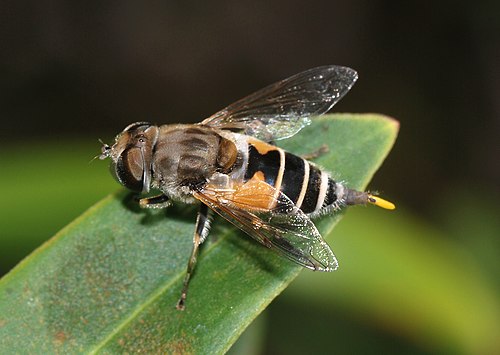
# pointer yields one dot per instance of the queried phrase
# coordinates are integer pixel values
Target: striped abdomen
(311, 189)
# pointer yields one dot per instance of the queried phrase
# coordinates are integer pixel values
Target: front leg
(200, 234)
(160, 201)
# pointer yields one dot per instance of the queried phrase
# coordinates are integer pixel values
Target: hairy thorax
(186, 156)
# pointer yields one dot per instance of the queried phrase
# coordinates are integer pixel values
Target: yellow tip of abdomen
(380, 202)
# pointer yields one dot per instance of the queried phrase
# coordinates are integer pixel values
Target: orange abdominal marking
(258, 176)
(261, 147)
(255, 194)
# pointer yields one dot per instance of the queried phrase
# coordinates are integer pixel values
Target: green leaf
(56, 174)
(401, 274)
(109, 281)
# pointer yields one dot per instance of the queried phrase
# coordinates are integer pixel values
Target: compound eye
(129, 169)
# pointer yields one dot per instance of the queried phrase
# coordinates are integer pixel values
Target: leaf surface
(109, 281)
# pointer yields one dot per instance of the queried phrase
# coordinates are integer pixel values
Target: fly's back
(188, 155)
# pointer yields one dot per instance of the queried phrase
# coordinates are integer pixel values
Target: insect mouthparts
(105, 151)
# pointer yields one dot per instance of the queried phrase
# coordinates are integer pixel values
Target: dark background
(90, 68)
(84, 70)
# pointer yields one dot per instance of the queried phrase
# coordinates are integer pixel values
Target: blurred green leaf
(470, 214)
(408, 278)
(45, 185)
(109, 281)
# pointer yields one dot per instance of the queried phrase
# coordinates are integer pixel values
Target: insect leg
(317, 153)
(200, 233)
(160, 201)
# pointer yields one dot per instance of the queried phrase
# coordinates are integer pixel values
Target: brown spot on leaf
(59, 338)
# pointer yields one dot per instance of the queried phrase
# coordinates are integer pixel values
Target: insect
(228, 164)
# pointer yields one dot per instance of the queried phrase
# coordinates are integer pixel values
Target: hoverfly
(228, 164)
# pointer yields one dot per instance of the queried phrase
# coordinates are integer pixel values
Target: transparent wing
(282, 109)
(284, 227)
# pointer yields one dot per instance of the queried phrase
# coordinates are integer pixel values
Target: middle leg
(200, 234)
